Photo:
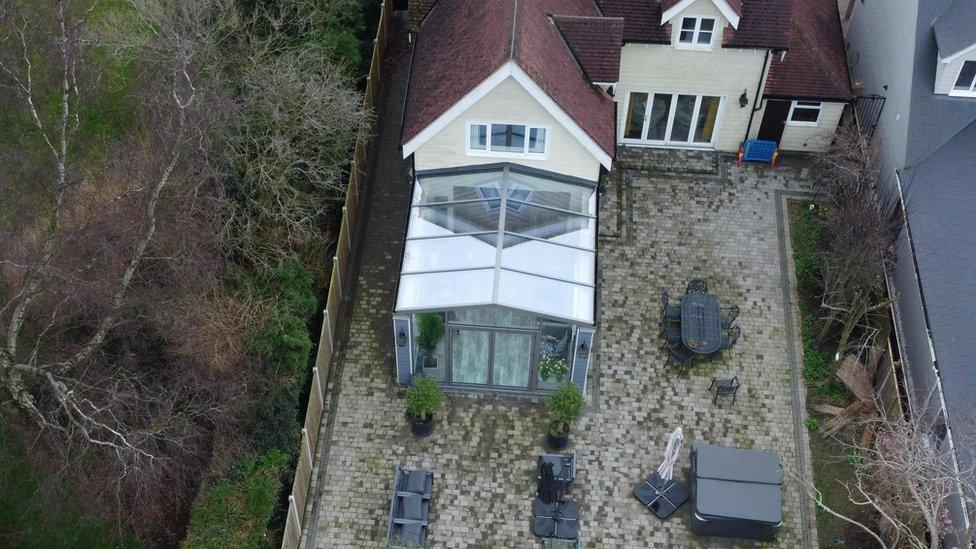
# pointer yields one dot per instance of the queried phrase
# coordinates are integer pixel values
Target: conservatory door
(492, 357)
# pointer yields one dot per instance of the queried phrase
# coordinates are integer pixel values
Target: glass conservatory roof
(500, 234)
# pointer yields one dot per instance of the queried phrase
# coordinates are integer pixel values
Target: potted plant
(424, 397)
(431, 327)
(553, 367)
(565, 405)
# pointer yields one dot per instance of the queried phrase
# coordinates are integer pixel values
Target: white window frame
(525, 154)
(806, 105)
(667, 143)
(694, 45)
(972, 86)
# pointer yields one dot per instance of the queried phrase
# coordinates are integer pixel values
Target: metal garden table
(701, 323)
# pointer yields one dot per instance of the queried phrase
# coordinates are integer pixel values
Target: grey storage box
(735, 492)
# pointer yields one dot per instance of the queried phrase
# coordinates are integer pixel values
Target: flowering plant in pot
(565, 405)
(553, 368)
(424, 398)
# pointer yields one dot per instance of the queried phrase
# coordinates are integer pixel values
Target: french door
(499, 358)
(672, 119)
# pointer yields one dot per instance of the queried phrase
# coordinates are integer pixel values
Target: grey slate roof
(955, 29)
(941, 201)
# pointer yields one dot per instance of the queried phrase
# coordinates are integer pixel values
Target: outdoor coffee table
(701, 323)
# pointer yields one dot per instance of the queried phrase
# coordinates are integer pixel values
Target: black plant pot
(557, 442)
(421, 429)
(430, 361)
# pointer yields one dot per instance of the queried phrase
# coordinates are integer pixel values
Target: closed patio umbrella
(548, 487)
(666, 470)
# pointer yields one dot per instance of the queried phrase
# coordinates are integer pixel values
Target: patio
(657, 230)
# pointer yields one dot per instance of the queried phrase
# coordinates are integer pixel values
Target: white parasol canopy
(666, 470)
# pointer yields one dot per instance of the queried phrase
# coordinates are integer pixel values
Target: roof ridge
(511, 45)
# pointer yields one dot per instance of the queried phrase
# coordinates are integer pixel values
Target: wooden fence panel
(304, 469)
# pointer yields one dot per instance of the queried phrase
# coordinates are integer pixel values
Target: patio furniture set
(410, 508)
(697, 327)
(555, 519)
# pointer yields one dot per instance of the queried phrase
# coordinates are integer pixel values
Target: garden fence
(338, 285)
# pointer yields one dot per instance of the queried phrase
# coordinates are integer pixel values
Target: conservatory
(496, 288)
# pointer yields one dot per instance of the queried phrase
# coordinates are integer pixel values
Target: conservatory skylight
(500, 234)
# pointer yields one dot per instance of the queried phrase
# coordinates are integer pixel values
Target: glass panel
(508, 137)
(688, 23)
(550, 225)
(966, 77)
(456, 252)
(635, 115)
(467, 217)
(469, 356)
(429, 344)
(660, 110)
(704, 38)
(550, 260)
(707, 25)
(707, 116)
(681, 127)
(494, 316)
(448, 188)
(478, 137)
(438, 290)
(546, 296)
(546, 192)
(555, 347)
(537, 140)
(686, 37)
(512, 359)
(802, 113)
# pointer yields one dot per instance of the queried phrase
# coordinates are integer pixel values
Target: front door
(774, 120)
(492, 357)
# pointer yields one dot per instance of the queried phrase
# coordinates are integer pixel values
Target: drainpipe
(756, 101)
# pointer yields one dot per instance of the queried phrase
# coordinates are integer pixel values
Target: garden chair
(730, 317)
(725, 387)
(671, 330)
(680, 355)
(696, 285)
(729, 340)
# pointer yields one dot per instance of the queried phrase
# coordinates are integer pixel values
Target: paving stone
(657, 231)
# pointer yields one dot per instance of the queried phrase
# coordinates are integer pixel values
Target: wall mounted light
(584, 351)
(401, 339)
(744, 99)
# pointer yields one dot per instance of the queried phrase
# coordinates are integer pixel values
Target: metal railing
(330, 315)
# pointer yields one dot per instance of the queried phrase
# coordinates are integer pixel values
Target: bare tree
(861, 223)
(52, 384)
(906, 479)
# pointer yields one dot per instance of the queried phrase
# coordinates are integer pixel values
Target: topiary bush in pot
(565, 405)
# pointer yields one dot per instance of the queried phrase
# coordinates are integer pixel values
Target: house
(927, 133)
(514, 110)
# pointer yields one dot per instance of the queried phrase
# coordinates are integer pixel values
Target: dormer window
(966, 81)
(696, 32)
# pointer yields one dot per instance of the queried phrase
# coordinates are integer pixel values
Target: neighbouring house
(926, 82)
(514, 110)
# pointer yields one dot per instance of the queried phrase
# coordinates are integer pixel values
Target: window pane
(447, 188)
(441, 254)
(508, 137)
(467, 217)
(660, 110)
(512, 359)
(635, 115)
(689, 23)
(686, 37)
(967, 76)
(704, 38)
(681, 128)
(805, 114)
(493, 316)
(478, 137)
(469, 356)
(707, 116)
(454, 289)
(538, 257)
(547, 296)
(537, 140)
(707, 25)
(546, 192)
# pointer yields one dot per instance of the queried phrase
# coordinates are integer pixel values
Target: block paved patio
(658, 229)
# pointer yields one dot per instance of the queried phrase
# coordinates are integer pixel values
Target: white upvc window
(672, 119)
(804, 113)
(507, 139)
(966, 80)
(696, 32)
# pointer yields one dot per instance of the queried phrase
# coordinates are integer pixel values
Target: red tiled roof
(815, 67)
(595, 41)
(462, 42)
(762, 23)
